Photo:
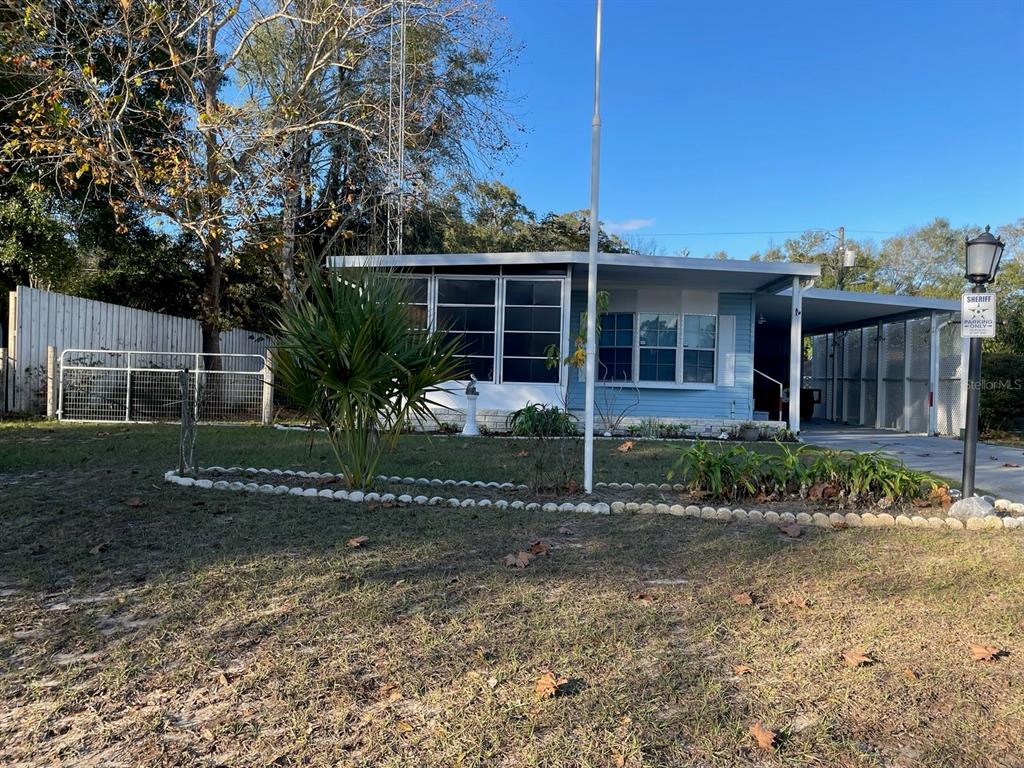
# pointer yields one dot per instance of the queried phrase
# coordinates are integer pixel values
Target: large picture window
(659, 337)
(699, 336)
(646, 347)
(533, 323)
(615, 347)
(466, 308)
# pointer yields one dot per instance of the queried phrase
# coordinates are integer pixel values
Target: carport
(869, 360)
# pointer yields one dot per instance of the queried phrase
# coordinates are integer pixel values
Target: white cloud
(629, 225)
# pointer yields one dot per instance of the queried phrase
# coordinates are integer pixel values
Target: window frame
(560, 284)
(641, 347)
(712, 349)
(680, 349)
(436, 304)
(633, 357)
(562, 280)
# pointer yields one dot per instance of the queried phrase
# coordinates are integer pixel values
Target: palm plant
(350, 359)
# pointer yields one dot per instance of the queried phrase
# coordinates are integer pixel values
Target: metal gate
(143, 386)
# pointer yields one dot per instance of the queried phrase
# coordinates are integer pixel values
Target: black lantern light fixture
(983, 254)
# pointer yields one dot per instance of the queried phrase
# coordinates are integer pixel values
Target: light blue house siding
(722, 402)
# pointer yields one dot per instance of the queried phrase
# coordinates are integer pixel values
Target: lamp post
(983, 253)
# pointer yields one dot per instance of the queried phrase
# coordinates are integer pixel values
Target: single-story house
(702, 342)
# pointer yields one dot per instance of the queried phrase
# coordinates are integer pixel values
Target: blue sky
(763, 117)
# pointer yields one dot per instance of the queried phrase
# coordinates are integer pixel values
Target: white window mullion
(499, 331)
(636, 347)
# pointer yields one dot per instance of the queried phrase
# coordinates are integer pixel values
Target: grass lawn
(146, 624)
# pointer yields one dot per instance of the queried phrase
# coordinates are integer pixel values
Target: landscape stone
(968, 508)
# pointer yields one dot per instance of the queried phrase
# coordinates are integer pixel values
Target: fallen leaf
(518, 560)
(743, 598)
(910, 674)
(492, 682)
(539, 548)
(855, 657)
(742, 669)
(985, 652)
(356, 542)
(404, 727)
(620, 760)
(207, 734)
(792, 530)
(223, 679)
(626, 447)
(522, 454)
(549, 685)
(644, 597)
(134, 501)
(797, 601)
(765, 737)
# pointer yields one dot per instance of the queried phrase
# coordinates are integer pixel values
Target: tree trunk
(290, 220)
(209, 311)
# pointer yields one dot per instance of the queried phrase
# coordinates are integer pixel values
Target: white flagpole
(595, 161)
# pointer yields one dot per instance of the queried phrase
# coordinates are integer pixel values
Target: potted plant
(749, 431)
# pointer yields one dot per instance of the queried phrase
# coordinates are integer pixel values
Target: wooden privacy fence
(40, 319)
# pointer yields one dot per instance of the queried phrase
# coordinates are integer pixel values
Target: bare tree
(211, 115)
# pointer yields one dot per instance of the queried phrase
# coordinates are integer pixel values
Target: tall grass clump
(536, 420)
(738, 472)
(350, 359)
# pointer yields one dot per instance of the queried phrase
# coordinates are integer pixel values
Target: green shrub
(536, 420)
(1002, 399)
(739, 472)
(703, 469)
(349, 359)
(872, 476)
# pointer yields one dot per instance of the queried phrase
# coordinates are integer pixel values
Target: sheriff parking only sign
(978, 315)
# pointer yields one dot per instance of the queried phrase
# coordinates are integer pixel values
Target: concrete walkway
(1000, 469)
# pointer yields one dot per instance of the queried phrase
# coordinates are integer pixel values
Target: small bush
(738, 472)
(536, 420)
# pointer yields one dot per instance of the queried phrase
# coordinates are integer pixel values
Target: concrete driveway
(1000, 470)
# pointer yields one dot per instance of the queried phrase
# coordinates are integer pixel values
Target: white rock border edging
(831, 521)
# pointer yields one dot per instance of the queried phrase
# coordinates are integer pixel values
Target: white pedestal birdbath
(471, 429)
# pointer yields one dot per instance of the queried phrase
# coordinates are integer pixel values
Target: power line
(754, 232)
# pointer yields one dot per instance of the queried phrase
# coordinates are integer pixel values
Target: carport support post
(933, 375)
(879, 375)
(796, 343)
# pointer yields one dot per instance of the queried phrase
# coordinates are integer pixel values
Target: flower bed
(327, 486)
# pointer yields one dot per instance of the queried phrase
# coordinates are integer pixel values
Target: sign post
(977, 322)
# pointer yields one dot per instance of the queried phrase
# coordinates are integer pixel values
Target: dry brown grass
(204, 628)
